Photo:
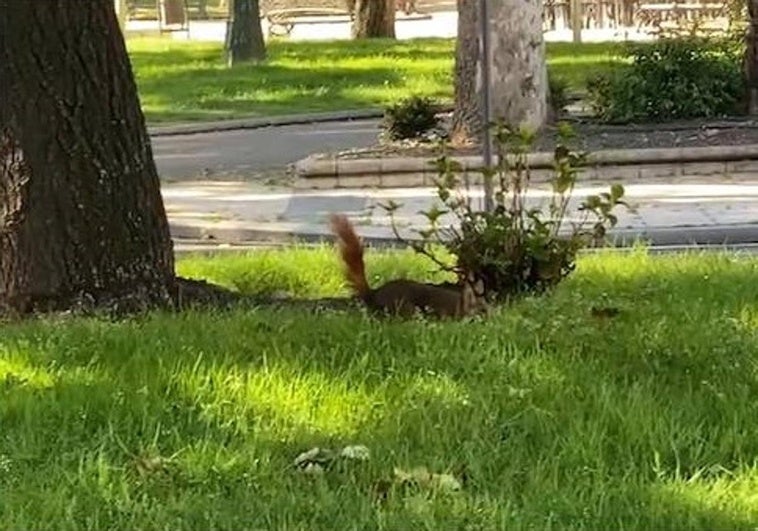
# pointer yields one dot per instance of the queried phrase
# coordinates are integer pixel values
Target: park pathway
(707, 210)
(247, 151)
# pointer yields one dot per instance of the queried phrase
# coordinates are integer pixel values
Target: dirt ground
(594, 137)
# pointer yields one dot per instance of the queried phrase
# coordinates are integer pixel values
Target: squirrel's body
(400, 297)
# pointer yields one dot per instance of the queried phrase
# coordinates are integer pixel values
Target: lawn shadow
(261, 90)
(192, 82)
(559, 416)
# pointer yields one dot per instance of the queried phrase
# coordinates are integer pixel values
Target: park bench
(670, 16)
(172, 16)
(282, 21)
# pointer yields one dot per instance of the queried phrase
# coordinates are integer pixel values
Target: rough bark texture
(518, 71)
(244, 39)
(81, 214)
(374, 19)
(751, 57)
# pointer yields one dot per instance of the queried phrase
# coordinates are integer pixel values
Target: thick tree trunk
(374, 19)
(518, 71)
(81, 214)
(751, 57)
(244, 39)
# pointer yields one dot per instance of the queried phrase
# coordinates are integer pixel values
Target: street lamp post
(484, 58)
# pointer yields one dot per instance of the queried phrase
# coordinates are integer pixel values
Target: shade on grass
(189, 81)
(564, 420)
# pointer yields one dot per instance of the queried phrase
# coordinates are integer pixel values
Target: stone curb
(714, 235)
(325, 167)
(182, 247)
(259, 123)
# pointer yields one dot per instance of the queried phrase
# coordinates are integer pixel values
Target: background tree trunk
(121, 13)
(81, 214)
(518, 71)
(751, 57)
(244, 38)
(374, 19)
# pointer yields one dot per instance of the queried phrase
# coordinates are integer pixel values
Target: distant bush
(413, 117)
(671, 79)
(558, 94)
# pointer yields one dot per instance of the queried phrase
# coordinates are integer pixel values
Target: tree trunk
(518, 71)
(244, 38)
(751, 57)
(374, 19)
(202, 8)
(81, 214)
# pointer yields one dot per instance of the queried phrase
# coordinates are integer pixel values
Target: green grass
(645, 421)
(189, 81)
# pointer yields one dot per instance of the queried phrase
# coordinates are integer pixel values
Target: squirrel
(402, 297)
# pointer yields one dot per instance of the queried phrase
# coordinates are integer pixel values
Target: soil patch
(592, 136)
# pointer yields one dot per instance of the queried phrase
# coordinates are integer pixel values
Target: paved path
(253, 150)
(695, 210)
(438, 24)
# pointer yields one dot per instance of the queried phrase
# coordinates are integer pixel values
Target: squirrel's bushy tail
(351, 250)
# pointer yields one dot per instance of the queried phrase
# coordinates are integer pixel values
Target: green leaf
(617, 192)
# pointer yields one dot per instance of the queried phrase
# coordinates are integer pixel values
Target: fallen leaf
(314, 456)
(358, 452)
(423, 478)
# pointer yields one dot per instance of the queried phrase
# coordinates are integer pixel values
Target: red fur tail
(351, 250)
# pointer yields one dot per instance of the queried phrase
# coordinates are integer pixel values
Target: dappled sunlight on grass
(284, 402)
(562, 419)
(187, 81)
(711, 497)
(14, 370)
(307, 272)
(747, 318)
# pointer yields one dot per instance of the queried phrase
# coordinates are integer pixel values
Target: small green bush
(558, 94)
(410, 118)
(671, 79)
(517, 247)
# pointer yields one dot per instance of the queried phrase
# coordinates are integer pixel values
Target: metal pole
(484, 31)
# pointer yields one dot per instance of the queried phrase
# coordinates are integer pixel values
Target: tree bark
(751, 57)
(244, 39)
(81, 214)
(518, 71)
(374, 19)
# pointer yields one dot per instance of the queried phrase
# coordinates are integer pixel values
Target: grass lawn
(644, 421)
(180, 81)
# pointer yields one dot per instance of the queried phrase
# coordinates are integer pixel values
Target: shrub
(671, 79)
(558, 94)
(410, 118)
(517, 247)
